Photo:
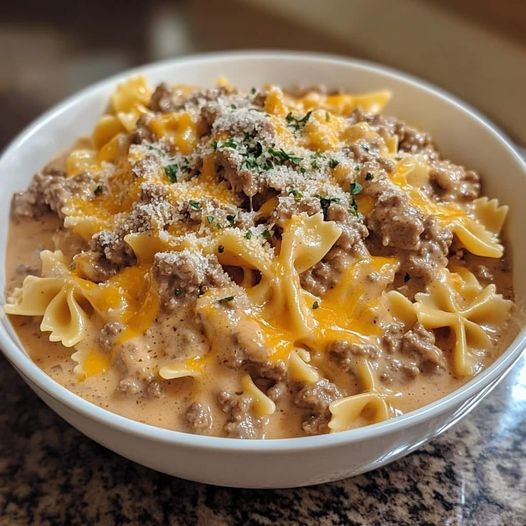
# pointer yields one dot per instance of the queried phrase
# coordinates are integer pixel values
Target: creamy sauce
(28, 238)
(242, 335)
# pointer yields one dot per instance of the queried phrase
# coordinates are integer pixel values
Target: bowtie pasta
(257, 264)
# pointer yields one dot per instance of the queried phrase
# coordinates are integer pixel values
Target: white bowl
(461, 133)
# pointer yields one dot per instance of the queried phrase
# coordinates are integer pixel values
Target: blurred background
(473, 48)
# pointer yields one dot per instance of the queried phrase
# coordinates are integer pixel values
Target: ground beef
(240, 423)
(451, 182)
(431, 254)
(108, 335)
(316, 400)
(186, 273)
(223, 214)
(112, 249)
(275, 371)
(396, 223)
(288, 206)
(366, 151)
(419, 343)
(109, 252)
(241, 179)
(410, 353)
(134, 386)
(152, 212)
(409, 139)
(416, 238)
(199, 417)
(346, 353)
(142, 132)
(270, 377)
(165, 99)
(49, 190)
(131, 386)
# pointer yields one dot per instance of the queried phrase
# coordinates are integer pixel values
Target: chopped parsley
(315, 158)
(267, 234)
(210, 219)
(369, 176)
(253, 91)
(282, 156)
(355, 188)
(225, 301)
(325, 202)
(353, 207)
(196, 205)
(252, 154)
(357, 167)
(297, 124)
(316, 305)
(268, 164)
(333, 163)
(229, 143)
(248, 234)
(171, 172)
(98, 190)
(296, 193)
(220, 249)
(231, 219)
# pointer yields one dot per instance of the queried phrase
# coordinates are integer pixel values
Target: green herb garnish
(178, 292)
(267, 234)
(171, 172)
(282, 156)
(355, 188)
(226, 300)
(333, 163)
(369, 176)
(196, 205)
(248, 234)
(210, 219)
(229, 143)
(325, 202)
(231, 219)
(295, 123)
(296, 193)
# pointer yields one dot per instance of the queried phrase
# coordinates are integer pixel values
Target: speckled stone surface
(473, 474)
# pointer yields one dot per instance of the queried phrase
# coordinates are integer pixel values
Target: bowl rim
(36, 376)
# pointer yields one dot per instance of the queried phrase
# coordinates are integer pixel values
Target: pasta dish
(257, 264)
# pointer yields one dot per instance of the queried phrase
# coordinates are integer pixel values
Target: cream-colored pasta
(346, 411)
(64, 300)
(177, 370)
(468, 310)
(306, 240)
(299, 368)
(262, 405)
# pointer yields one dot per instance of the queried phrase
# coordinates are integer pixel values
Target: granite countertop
(473, 474)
